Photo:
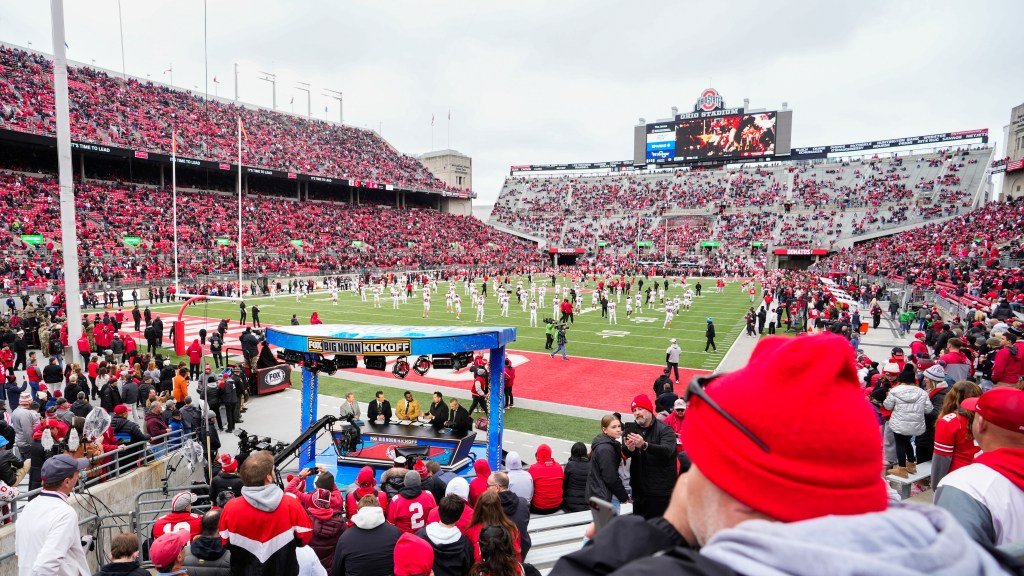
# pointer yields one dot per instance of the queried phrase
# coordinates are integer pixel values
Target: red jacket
(462, 523)
(83, 345)
(479, 484)
(129, 345)
(1008, 368)
(264, 542)
(7, 358)
(547, 480)
(195, 352)
(366, 484)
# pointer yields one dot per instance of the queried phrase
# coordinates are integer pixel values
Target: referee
(672, 358)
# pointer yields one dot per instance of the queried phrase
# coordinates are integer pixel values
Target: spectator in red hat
(918, 348)
(227, 479)
(324, 479)
(366, 485)
(987, 496)
(748, 512)
(413, 556)
(651, 445)
(168, 552)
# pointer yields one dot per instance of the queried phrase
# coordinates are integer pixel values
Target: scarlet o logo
(709, 100)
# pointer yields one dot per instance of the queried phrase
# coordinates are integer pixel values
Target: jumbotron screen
(735, 135)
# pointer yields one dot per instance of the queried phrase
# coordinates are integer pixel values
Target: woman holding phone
(604, 481)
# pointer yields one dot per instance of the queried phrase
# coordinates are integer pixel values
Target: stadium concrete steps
(556, 535)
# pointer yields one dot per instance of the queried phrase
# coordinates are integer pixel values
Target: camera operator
(560, 340)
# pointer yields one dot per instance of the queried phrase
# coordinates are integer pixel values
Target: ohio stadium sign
(709, 100)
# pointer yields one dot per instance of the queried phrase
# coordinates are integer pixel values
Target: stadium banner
(566, 251)
(709, 244)
(612, 165)
(131, 240)
(33, 239)
(644, 244)
(297, 242)
(1015, 166)
(223, 241)
(396, 347)
(800, 252)
(821, 151)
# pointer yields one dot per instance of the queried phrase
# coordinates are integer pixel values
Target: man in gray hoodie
(742, 508)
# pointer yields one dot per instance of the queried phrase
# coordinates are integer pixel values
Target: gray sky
(549, 82)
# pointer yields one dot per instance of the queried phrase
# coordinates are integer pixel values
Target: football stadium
(745, 324)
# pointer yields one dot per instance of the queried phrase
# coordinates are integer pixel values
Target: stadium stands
(337, 237)
(142, 115)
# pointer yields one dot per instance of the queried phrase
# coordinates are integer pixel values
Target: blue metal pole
(310, 386)
(496, 407)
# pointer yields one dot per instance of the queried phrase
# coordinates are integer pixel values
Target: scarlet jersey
(953, 440)
(411, 515)
(178, 521)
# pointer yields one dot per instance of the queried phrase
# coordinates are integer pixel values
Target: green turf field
(638, 339)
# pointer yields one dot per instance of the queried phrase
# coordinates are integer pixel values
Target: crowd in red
(959, 258)
(142, 115)
(335, 236)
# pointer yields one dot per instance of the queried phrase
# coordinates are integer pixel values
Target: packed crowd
(335, 236)
(141, 115)
(957, 258)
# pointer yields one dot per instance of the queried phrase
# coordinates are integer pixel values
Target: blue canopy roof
(423, 339)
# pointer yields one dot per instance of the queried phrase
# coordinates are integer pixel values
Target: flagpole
(239, 206)
(174, 204)
(449, 129)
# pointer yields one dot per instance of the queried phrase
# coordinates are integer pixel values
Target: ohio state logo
(709, 100)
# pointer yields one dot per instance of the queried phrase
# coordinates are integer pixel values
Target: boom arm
(310, 432)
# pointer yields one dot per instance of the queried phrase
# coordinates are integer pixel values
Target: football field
(609, 363)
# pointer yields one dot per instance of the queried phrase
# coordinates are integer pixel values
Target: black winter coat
(363, 552)
(652, 471)
(124, 569)
(109, 397)
(9, 466)
(225, 481)
(518, 511)
(574, 486)
(130, 393)
(207, 557)
(14, 393)
(625, 539)
(604, 480)
(451, 559)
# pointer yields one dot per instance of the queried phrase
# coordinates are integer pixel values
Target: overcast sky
(551, 82)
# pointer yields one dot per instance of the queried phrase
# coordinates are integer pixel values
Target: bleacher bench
(903, 485)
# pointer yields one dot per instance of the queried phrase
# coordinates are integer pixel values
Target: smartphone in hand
(602, 511)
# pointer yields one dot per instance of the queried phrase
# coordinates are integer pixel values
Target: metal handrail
(122, 461)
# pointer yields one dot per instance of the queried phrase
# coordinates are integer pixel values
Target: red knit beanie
(413, 556)
(801, 396)
(642, 401)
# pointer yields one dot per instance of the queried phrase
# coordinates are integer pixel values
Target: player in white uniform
(612, 319)
(593, 299)
(376, 296)
(395, 297)
(669, 315)
(661, 294)
(533, 313)
(362, 291)
(334, 296)
(426, 303)
(458, 307)
(503, 299)
(448, 299)
(480, 309)
(687, 301)
(638, 303)
(676, 303)
(541, 290)
(629, 307)
(273, 291)
(465, 286)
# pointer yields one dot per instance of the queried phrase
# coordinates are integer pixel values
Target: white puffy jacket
(909, 404)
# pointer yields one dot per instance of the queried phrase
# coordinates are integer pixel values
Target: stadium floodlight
(401, 367)
(304, 87)
(422, 365)
(337, 95)
(272, 78)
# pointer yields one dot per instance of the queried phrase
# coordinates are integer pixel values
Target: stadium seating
(142, 115)
(336, 237)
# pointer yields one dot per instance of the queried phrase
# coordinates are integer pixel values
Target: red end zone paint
(586, 382)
